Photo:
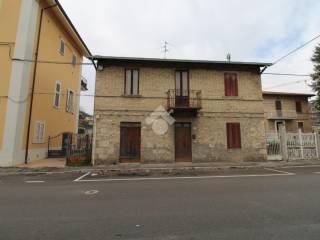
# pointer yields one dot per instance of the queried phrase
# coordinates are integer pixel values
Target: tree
(316, 75)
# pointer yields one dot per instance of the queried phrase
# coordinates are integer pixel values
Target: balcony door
(182, 89)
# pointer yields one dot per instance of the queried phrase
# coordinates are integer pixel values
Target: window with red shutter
(278, 105)
(298, 107)
(231, 84)
(233, 135)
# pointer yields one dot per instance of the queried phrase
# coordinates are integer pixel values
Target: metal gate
(79, 150)
(273, 146)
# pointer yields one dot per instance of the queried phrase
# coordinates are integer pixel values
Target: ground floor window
(130, 141)
(39, 132)
(233, 135)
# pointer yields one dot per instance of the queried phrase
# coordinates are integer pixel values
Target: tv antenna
(165, 49)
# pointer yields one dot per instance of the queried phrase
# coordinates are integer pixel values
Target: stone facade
(209, 133)
(288, 114)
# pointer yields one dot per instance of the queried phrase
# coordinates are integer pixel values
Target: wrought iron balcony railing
(184, 99)
(282, 114)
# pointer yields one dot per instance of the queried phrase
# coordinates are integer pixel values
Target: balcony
(282, 115)
(184, 103)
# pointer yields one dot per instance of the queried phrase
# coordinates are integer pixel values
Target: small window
(70, 101)
(57, 95)
(132, 82)
(278, 105)
(62, 47)
(231, 84)
(74, 59)
(298, 107)
(300, 126)
(233, 135)
(39, 132)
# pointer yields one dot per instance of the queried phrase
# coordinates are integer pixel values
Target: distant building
(288, 109)
(41, 55)
(85, 123)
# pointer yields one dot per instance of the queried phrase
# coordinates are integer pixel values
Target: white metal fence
(292, 146)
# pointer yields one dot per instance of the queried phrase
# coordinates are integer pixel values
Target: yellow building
(41, 56)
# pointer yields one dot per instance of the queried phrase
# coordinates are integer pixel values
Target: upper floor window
(57, 94)
(298, 107)
(39, 132)
(233, 135)
(62, 47)
(278, 105)
(231, 84)
(70, 101)
(131, 82)
(74, 59)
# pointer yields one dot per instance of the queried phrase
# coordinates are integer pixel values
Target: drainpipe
(34, 80)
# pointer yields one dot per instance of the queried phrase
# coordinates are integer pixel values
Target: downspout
(34, 80)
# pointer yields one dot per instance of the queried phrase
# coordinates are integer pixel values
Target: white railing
(282, 114)
(292, 146)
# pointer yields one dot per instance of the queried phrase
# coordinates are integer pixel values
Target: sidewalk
(57, 165)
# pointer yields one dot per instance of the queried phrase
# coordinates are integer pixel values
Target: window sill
(131, 96)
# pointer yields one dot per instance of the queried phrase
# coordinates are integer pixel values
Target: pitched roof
(288, 94)
(66, 22)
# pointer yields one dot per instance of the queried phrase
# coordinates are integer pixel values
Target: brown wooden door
(130, 142)
(183, 150)
(182, 89)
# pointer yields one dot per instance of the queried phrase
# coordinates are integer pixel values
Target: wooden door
(183, 152)
(182, 89)
(130, 142)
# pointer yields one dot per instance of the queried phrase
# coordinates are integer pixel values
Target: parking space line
(81, 177)
(34, 181)
(181, 178)
(275, 170)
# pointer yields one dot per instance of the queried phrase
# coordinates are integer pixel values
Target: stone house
(288, 109)
(167, 111)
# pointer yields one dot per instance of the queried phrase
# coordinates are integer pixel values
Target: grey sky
(201, 29)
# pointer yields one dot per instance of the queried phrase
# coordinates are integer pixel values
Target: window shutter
(233, 135)
(278, 105)
(298, 107)
(231, 84)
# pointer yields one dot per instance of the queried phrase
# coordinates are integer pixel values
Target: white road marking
(83, 176)
(283, 172)
(34, 181)
(180, 178)
(303, 166)
(317, 172)
(91, 192)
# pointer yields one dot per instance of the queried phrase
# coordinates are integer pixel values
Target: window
(132, 82)
(74, 59)
(231, 84)
(233, 135)
(70, 101)
(62, 47)
(278, 105)
(39, 132)
(130, 142)
(57, 95)
(298, 107)
(300, 126)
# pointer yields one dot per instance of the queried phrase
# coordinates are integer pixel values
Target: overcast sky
(250, 30)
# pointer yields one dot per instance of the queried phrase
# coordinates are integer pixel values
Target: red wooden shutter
(231, 84)
(233, 135)
(278, 105)
(298, 107)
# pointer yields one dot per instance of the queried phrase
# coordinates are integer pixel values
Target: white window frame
(70, 109)
(279, 121)
(55, 94)
(64, 47)
(37, 138)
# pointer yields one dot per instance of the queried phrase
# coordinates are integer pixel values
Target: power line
(293, 51)
(288, 74)
(286, 84)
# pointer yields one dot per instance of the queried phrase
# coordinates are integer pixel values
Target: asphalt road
(235, 204)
